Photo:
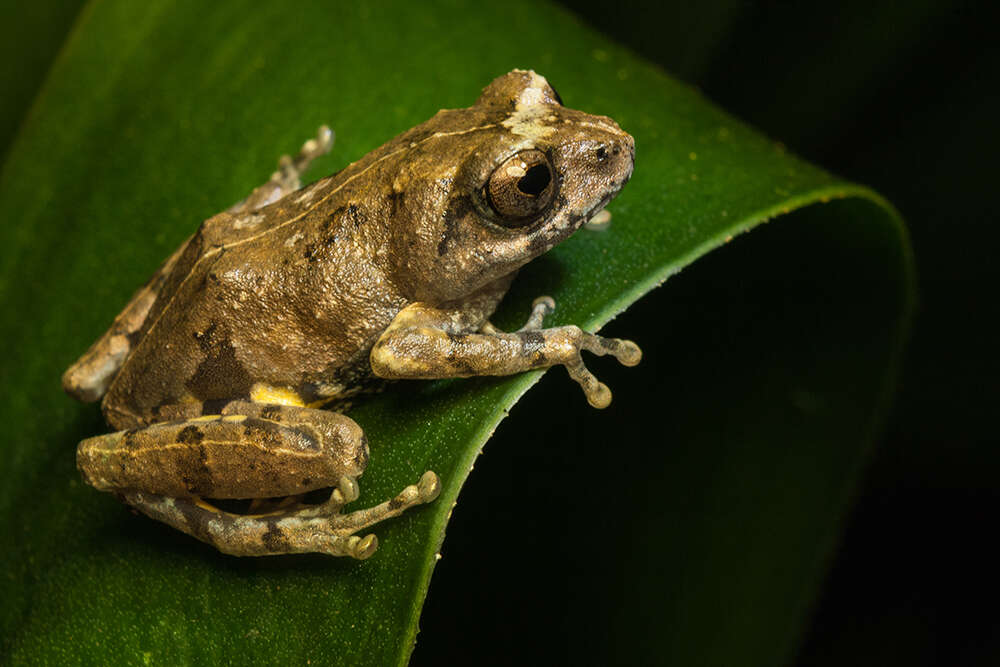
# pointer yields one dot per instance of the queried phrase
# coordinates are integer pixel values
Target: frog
(227, 375)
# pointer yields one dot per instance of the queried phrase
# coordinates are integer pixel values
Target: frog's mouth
(556, 230)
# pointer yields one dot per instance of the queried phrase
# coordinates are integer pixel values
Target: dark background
(900, 97)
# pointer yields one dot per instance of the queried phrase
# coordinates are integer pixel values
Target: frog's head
(513, 175)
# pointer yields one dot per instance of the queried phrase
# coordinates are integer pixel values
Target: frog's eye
(521, 188)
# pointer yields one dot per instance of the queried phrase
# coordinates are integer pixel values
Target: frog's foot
(574, 340)
(316, 529)
(290, 169)
(540, 307)
(627, 352)
(287, 178)
(599, 221)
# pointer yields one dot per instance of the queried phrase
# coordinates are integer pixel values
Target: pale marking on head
(602, 126)
(305, 196)
(531, 97)
(534, 93)
(527, 121)
(532, 108)
(292, 240)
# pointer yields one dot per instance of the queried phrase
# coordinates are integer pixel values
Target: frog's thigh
(90, 376)
(272, 451)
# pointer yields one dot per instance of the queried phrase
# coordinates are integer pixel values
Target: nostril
(602, 153)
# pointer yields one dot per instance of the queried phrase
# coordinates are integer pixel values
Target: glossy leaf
(157, 115)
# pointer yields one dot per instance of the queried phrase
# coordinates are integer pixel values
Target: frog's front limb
(167, 470)
(287, 178)
(426, 342)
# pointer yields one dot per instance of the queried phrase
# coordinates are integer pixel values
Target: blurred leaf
(30, 37)
(157, 115)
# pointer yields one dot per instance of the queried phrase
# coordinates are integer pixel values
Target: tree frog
(223, 373)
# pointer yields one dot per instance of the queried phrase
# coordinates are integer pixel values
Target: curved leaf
(156, 116)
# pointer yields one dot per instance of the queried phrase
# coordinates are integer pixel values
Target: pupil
(535, 180)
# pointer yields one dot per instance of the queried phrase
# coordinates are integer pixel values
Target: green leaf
(765, 376)
(30, 36)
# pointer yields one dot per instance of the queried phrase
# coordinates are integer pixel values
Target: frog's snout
(616, 156)
(628, 156)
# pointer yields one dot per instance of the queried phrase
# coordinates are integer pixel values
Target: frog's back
(293, 296)
(281, 299)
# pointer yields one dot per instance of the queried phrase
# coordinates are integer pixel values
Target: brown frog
(296, 299)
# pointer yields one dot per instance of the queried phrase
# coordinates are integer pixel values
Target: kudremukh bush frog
(295, 299)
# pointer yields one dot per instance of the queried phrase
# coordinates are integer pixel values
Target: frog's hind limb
(168, 470)
(287, 178)
(318, 529)
(424, 342)
(88, 379)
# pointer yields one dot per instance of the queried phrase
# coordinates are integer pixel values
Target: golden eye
(521, 188)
